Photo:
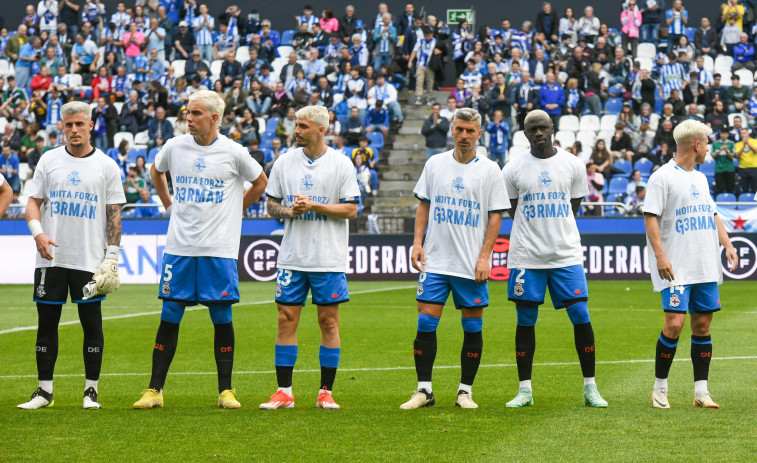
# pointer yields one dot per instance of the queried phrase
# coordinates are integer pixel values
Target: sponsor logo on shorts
(225, 294)
(166, 289)
(577, 292)
(518, 290)
(477, 301)
(334, 296)
(278, 290)
(675, 301)
(420, 289)
(41, 291)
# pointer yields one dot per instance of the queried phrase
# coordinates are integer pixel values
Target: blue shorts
(567, 285)
(700, 297)
(199, 280)
(327, 288)
(434, 288)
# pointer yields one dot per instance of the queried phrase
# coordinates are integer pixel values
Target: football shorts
(199, 280)
(566, 285)
(699, 297)
(434, 288)
(52, 285)
(326, 288)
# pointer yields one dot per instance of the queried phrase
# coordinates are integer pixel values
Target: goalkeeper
(74, 215)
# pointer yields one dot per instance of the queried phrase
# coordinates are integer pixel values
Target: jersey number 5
(167, 275)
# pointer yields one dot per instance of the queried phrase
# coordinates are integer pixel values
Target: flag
(741, 220)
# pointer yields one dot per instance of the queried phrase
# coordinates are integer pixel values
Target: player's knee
(579, 313)
(700, 326)
(674, 326)
(220, 314)
(172, 312)
(328, 322)
(527, 315)
(287, 317)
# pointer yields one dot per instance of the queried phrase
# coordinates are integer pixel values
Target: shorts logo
(577, 292)
(306, 183)
(199, 164)
(457, 185)
(420, 289)
(41, 291)
(675, 301)
(225, 294)
(278, 290)
(477, 301)
(544, 180)
(518, 290)
(73, 179)
(166, 290)
(334, 296)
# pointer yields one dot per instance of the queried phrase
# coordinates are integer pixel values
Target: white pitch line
(441, 367)
(142, 314)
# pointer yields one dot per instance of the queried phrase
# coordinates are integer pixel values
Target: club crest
(199, 165)
(420, 289)
(306, 183)
(544, 180)
(457, 185)
(675, 301)
(518, 290)
(278, 290)
(41, 291)
(73, 179)
(166, 290)
(694, 192)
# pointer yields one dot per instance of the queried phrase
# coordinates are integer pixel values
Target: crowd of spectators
(614, 87)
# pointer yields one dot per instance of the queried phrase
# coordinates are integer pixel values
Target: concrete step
(402, 169)
(400, 158)
(393, 211)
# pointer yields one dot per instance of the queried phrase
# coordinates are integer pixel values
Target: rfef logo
(747, 254)
(260, 260)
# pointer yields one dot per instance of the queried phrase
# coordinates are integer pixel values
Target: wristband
(112, 252)
(35, 226)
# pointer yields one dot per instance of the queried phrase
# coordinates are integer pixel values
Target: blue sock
(427, 323)
(527, 315)
(329, 358)
(579, 313)
(285, 358)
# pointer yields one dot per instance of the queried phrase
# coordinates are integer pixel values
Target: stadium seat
(134, 153)
(612, 211)
(725, 77)
(275, 38)
(287, 36)
(586, 137)
(708, 168)
(242, 54)
(746, 77)
(519, 139)
(723, 63)
(151, 155)
(376, 141)
(623, 165)
(645, 63)
(589, 122)
(4, 67)
(113, 153)
(569, 122)
(172, 120)
(747, 198)
(709, 63)
(644, 166)
(271, 124)
(118, 105)
(646, 50)
(283, 51)
(616, 90)
(607, 136)
(565, 137)
(613, 106)
(215, 67)
(608, 122)
(690, 32)
(141, 139)
(76, 80)
(3, 123)
(267, 137)
(618, 185)
(725, 198)
(178, 67)
(123, 136)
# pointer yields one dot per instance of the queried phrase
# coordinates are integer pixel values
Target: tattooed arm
(277, 211)
(113, 226)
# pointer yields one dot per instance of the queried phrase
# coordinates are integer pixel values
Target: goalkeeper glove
(105, 280)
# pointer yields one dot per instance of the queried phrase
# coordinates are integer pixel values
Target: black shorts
(52, 285)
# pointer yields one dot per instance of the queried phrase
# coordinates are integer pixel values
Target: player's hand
(302, 205)
(43, 246)
(418, 258)
(482, 270)
(665, 268)
(106, 279)
(733, 258)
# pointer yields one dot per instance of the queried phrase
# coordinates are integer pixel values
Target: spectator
(746, 152)
(677, 105)
(9, 164)
(277, 149)
(619, 67)
(732, 9)
(184, 42)
(715, 92)
(347, 24)
(133, 185)
(694, 92)
(634, 201)
(588, 25)
(155, 37)
(527, 97)
(328, 22)
(738, 95)
(144, 173)
(42, 80)
(676, 18)
(630, 20)
(596, 182)
(28, 54)
(224, 41)
(248, 127)
(621, 144)
(259, 99)
(203, 25)
(567, 26)
(694, 113)
(743, 54)
(593, 87)
(627, 118)
(499, 134)
(332, 137)
(159, 129)
(603, 52)
(353, 127)
(363, 173)
(752, 111)
(634, 181)
(723, 152)
(33, 156)
(132, 114)
(546, 22)
(730, 36)
(664, 136)
(672, 75)
(181, 126)
(706, 39)
(253, 146)
(423, 50)
(285, 127)
(364, 152)
(145, 212)
(435, 129)
(574, 98)
(602, 159)
(735, 133)
(377, 119)
(384, 39)
(717, 119)
(386, 93)
(105, 118)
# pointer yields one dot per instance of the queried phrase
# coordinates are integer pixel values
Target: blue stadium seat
(271, 123)
(644, 166)
(708, 168)
(616, 90)
(267, 137)
(342, 118)
(618, 185)
(611, 211)
(275, 38)
(623, 165)
(113, 153)
(151, 155)
(726, 198)
(747, 198)
(658, 104)
(690, 33)
(376, 141)
(134, 153)
(613, 106)
(341, 109)
(347, 150)
(287, 36)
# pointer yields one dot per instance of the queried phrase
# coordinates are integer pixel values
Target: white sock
(700, 387)
(425, 385)
(320, 391)
(526, 383)
(89, 383)
(588, 381)
(287, 390)
(660, 383)
(467, 388)
(46, 386)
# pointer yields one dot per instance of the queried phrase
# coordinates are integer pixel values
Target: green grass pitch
(376, 375)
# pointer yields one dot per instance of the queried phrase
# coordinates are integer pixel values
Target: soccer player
(546, 186)
(74, 215)
(684, 235)
(6, 196)
(314, 189)
(200, 262)
(467, 196)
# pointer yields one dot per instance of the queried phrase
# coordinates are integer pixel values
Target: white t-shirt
(208, 185)
(313, 242)
(686, 214)
(75, 192)
(460, 197)
(544, 233)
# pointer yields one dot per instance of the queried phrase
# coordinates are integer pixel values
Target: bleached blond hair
(212, 101)
(690, 131)
(317, 114)
(76, 107)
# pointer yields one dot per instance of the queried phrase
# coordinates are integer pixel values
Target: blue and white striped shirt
(424, 50)
(677, 27)
(672, 76)
(120, 19)
(203, 36)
